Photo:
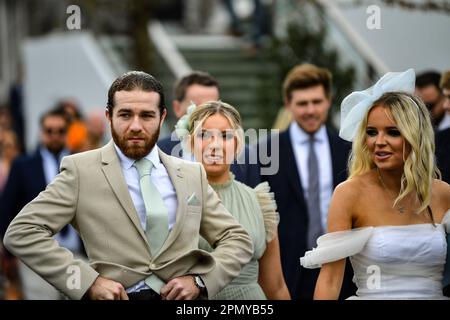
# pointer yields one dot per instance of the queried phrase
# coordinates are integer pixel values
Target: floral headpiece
(355, 105)
(182, 126)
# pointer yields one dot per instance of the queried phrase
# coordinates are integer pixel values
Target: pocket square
(193, 200)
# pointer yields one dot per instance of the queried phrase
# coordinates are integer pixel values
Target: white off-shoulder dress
(389, 262)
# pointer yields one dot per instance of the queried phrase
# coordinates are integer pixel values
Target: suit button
(152, 266)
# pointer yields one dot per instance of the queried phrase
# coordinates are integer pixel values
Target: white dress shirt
(300, 145)
(159, 177)
(51, 167)
(161, 180)
(445, 122)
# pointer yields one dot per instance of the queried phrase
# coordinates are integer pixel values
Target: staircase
(246, 80)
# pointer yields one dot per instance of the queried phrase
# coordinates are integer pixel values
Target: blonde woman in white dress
(392, 214)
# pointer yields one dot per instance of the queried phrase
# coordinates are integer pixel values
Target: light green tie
(157, 226)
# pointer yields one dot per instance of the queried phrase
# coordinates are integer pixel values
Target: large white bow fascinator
(356, 104)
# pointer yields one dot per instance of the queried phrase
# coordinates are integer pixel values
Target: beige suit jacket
(91, 194)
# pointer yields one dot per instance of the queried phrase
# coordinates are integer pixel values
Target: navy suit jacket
(292, 207)
(244, 172)
(443, 163)
(443, 153)
(25, 181)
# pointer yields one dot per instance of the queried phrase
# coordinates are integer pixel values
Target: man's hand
(105, 289)
(181, 288)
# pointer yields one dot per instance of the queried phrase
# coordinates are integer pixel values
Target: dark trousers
(147, 294)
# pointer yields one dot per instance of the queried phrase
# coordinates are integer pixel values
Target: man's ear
(163, 117)
(286, 103)
(107, 115)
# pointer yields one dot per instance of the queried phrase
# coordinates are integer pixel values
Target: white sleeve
(336, 246)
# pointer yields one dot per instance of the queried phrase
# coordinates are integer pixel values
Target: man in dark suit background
(312, 161)
(428, 89)
(443, 137)
(199, 87)
(30, 175)
(443, 160)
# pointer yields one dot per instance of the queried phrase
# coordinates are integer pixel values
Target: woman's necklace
(400, 208)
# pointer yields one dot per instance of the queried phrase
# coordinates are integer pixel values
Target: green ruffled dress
(255, 209)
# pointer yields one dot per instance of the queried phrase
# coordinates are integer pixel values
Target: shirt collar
(299, 136)
(127, 162)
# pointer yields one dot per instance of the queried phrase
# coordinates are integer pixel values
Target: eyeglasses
(58, 131)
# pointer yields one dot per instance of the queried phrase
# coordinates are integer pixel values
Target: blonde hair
(445, 80)
(413, 121)
(208, 109)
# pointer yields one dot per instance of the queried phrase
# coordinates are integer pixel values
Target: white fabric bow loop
(356, 104)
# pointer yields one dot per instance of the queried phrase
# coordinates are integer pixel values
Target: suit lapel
(180, 184)
(334, 156)
(339, 153)
(38, 171)
(113, 173)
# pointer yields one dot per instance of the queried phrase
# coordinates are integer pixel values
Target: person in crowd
(259, 23)
(196, 87)
(29, 175)
(312, 162)
(10, 284)
(96, 129)
(443, 136)
(9, 150)
(215, 136)
(199, 87)
(77, 132)
(391, 215)
(139, 212)
(427, 89)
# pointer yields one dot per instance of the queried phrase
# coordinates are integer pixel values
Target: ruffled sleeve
(266, 200)
(335, 246)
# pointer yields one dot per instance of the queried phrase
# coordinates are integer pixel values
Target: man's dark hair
(195, 77)
(135, 80)
(428, 78)
(55, 112)
(61, 106)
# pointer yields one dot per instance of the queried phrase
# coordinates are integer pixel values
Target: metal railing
(353, 48)
(167, 50)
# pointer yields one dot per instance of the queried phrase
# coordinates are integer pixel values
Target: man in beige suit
(101, 193)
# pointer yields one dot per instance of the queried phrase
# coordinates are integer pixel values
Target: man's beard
(55, 148)
(134, 151)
